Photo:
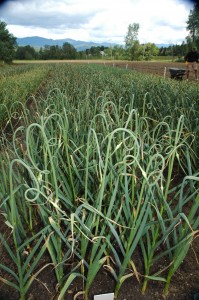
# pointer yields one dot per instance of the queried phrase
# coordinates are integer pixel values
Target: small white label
(104, 297)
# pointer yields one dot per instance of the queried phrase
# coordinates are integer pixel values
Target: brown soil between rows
(184, 285)
(154, 68)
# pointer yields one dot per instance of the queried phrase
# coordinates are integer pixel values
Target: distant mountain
(37, 42)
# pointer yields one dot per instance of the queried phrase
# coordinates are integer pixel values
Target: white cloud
(161, 21)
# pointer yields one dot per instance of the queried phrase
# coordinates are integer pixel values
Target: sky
(160, 21)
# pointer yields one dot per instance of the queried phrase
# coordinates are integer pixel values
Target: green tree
(45, 53)
(149, 50)
(25, 52)
(132, 34)
(68, 51)
(131, 41)
(55, 52)
(193, 23)
(7, 44)
(135, 51)
(118, 52)
(95, 51)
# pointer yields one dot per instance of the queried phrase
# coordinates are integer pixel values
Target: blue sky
(161, 21)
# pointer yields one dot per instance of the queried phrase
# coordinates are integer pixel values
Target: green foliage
(68, 51)
(149, 51)
(193, 23)
(7, 44)
(118, 52)
(95, 51)
(131, 42)
(16, 86)
(136, 51)
(131, 35)
(26, 52)
(95, 166)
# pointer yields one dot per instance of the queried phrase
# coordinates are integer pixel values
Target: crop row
(16, 85)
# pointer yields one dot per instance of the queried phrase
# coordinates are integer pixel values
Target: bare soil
(184, 286)
(154, 68)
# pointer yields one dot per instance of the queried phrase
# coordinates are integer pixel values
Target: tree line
(67, 51)
(133, 49)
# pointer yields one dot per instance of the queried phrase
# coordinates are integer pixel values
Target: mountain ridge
(38, 42)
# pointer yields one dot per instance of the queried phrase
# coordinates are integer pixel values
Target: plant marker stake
(104, 297)
(165, 69)
(126, 66)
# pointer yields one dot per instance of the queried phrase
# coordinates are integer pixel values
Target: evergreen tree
(193, 23)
